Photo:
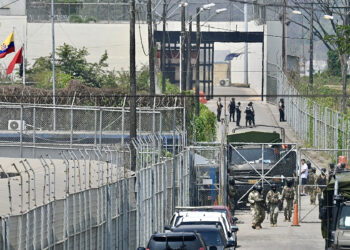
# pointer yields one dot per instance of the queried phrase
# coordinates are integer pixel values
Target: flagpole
(24, 53)
(24, 64)
(53, 64)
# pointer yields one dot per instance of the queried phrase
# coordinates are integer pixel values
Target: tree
(333, 62)
(71, 63)
(342, 41)
(332, 34)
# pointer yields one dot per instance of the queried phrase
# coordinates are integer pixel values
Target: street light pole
(311, 64)
(246, 45)
(284, 56)
(197, 60)
(152, 87)
(189, 57)
(132, 86)
(53, 65)
(182, 49)
(163, 47)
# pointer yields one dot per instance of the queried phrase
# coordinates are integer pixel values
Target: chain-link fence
(112, 11)
(87, 198)
(161, 187)
(315, 124)
(208, 174)
(81, 125)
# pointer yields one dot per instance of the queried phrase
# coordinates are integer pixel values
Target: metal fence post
(95, 139)
(71, 126)
(34, 130)
(101, 126)
(21, 131)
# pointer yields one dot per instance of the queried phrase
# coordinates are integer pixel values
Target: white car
(199, 217)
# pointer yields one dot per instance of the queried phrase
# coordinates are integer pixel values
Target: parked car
(213, 235)
(186, 240)
(198, 217)
(222, 209)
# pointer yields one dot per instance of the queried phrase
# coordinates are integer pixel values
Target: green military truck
(335, 212)
(253, 154)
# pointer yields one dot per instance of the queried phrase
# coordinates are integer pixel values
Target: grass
(324, 84)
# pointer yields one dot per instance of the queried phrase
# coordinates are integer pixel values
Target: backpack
(289, 194)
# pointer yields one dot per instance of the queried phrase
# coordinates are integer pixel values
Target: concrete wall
(221, 72)
(114, 38)
(14, 8)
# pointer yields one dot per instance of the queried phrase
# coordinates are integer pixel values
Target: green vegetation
(333, 62)
(71, 63)
(80, 19)
(205, 124)
(324, 84)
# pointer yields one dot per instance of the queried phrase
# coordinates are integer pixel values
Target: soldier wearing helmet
(256, 201)
(312, 188)
(273, 197)
(288, 194)
(321, 183)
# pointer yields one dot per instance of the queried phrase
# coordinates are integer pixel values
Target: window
(344, 218)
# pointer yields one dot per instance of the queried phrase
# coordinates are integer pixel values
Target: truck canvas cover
(343, 185)
(255, 137)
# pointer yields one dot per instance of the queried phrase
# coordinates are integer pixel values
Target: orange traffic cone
(215, 202)
(295, 216)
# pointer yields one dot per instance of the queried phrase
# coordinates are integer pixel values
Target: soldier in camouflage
(312, 189)
(321, 182)
(256, 200)
(231, 195)
(273, 197)
(288, 194)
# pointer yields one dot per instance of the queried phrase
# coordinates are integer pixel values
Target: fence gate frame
(221, 166)
(303, 151)
(263, 175)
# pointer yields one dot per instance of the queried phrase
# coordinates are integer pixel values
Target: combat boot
(258, 227)
(253, 226)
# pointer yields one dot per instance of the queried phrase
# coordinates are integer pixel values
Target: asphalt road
(283, 237)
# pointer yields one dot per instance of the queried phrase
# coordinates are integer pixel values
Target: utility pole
(132, 85)
(345, 60)
(284, 56)
(311, 67)
(53, 65)
(246, 45)
(198, 44)
(189, 56)
(163, 47)
(182, 52)
(152, 87)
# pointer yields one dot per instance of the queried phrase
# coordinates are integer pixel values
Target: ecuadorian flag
(8, 46)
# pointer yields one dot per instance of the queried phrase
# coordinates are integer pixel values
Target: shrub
(205, 124)
(76, 19)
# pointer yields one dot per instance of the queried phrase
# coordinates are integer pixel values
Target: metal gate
(250, 164)
(208, 172)
(318, 159)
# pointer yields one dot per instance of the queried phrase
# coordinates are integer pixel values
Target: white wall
(237, 64)
(115, 39)
(95, 37)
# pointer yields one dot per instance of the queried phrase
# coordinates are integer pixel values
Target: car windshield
(212, 238)
(252, 154)
(344, 219)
